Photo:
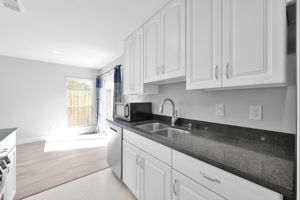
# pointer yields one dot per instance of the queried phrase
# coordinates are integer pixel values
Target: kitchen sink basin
(151, 127)
(170, 132)
(162, 129)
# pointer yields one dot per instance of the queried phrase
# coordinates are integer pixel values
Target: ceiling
(84, 33)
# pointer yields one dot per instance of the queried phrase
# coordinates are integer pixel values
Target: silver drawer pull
(209, 178)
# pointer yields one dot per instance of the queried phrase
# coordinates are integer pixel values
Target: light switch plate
(220, 110)
(256, 113)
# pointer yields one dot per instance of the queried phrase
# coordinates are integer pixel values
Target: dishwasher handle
(113, 129)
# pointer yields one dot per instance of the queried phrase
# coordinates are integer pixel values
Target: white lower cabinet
(11, 177)
(152, 171)
(155, 179)
(186, 189)
(147, 177)
(223, 183)
(131, 168)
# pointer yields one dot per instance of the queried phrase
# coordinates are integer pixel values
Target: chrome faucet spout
(174, 111)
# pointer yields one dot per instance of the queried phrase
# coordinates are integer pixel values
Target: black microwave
(133, 112)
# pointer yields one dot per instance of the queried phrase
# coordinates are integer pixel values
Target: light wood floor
(44, 165)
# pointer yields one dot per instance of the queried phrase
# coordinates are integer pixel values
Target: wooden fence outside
(79, 105)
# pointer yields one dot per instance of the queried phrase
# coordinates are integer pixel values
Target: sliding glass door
(107, 98)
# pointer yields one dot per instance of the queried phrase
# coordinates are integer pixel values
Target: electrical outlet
(256, 113)
(220, 110)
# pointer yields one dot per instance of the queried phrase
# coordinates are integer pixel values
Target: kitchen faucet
(174, 111)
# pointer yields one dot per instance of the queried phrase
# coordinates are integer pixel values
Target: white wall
(33, 96)
(279, 113)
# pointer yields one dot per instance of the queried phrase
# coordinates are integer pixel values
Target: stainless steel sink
(162, 129)
(171, 132)
(151, 127)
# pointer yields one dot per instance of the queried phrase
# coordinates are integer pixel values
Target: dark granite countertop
(263, 157)
(6, 132)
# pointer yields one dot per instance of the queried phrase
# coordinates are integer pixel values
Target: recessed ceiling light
(56, 52)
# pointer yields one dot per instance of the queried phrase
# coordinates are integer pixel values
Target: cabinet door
(186, 189)
(129, 79)
(173, 40)
(254, 35)
(152, 67)
(11, 178)
(138, 61)
(204, 44)
(131, 168)
(155, 179)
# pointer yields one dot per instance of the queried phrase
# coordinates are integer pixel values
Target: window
(79, 102)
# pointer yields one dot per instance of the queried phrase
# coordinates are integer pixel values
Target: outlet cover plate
(220, 110)
(256, 113)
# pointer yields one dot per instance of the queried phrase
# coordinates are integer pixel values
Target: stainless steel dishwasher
(114, 149)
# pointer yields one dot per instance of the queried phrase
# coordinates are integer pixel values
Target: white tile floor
(101, 185)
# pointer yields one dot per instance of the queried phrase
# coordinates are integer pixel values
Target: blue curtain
(99, 104)
(118, 87)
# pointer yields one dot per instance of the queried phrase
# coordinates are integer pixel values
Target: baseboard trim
(30, 140)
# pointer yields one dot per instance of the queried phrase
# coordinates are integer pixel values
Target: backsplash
(279, 113)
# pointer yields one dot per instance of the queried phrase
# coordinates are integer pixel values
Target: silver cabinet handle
(162, 69)
(209, 178)
(227, 71)
(137, 159)
(157, 70)
(143, 163)
(216, 72)
(175, 187)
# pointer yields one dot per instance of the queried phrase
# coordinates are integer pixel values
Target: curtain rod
(107, 71)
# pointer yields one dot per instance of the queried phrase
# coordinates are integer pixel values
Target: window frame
(93, 89)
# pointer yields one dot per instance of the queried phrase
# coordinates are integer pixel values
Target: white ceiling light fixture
(16, 5)
(56, 52)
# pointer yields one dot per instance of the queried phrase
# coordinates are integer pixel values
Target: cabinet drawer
(157, 150)
(223, 183)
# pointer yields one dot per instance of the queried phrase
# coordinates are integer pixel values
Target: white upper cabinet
(173, 40)
(129, 85)
(236, 43)
(138, 60)
(134, 66)
(204, 44)
(254, 42)
(152, 50)
(164, 44)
